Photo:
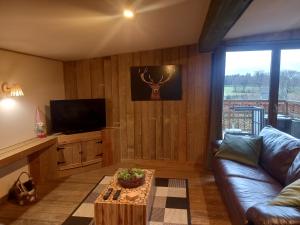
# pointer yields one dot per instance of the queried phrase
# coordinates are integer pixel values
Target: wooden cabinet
(81, 150)
(92, 151)
(69, 155)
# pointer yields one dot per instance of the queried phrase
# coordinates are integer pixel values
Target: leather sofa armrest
(265, 214)
(215, 146)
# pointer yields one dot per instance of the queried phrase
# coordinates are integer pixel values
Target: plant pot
(132, 183)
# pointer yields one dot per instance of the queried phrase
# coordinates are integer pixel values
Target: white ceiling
(265, 16)
(77, 29)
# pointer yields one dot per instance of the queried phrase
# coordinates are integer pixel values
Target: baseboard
(164, 162)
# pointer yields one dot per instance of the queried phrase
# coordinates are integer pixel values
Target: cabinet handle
(60, 148)
(99, 142)
(58, 163)
(101, 154)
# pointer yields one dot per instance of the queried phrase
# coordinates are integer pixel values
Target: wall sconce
(13, 90)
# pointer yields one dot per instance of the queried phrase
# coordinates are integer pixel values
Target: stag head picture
(156, 83)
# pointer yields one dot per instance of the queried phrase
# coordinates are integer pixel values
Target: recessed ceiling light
(127, 13)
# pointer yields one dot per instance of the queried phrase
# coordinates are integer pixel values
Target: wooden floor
(58, 199)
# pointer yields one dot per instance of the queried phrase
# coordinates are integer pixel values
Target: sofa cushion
(279, 151)
(246, 192)
(289, 196)
(294, 170)
(265, 214)
(231, 168)
(244, 149)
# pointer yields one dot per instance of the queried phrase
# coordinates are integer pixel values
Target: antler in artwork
(155, 86)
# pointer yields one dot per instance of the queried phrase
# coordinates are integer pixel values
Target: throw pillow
(289, 196)
(243, 149)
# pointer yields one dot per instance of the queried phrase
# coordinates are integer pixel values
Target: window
(246, 91)
(288, 119)
(247, 87)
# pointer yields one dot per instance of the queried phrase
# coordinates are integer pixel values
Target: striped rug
(170, 206)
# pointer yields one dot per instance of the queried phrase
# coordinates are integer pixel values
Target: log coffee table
(124, 211)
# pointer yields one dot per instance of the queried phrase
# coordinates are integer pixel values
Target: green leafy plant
(131, 174)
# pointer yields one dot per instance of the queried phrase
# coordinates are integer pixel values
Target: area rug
(170, 207)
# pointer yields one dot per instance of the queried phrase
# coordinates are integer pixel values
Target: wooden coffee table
(124, 211)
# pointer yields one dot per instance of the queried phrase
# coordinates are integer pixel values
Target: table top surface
(143, 190)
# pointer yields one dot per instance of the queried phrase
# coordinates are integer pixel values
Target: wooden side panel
(162, 130)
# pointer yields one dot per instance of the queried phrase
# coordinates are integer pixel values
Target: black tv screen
(73, 116)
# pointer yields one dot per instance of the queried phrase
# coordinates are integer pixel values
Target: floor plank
(59, 198)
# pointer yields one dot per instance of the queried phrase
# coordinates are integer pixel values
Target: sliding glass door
(262, 87)
(246, 91)
(288, 119)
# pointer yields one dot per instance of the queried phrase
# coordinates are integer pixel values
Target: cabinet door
(91, 152)
(69, 156)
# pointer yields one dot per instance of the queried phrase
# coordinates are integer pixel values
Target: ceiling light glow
(127, 13)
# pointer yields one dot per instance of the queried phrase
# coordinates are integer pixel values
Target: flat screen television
(75, 116)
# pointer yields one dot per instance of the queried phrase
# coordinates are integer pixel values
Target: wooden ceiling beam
(221, 16)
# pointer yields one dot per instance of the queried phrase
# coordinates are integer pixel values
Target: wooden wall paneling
(114, 135)
(129, 106)
(199, 123)
(70, 80)
(122, 104)
(115, 92)
(162, 130)
(182, 137)
(198, 114)
(97, 78)
(83, 77)
(170, 112)
(204, 97)
(108, 90)
(158, 114)
(138, 154)
(190, 102)
(148, 116)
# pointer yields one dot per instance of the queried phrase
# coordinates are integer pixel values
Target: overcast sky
(251, 61)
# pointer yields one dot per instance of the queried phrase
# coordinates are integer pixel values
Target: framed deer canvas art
(154, 83)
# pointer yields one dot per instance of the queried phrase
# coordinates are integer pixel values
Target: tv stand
(82, 151)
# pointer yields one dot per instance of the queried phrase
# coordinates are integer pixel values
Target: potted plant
(131, 178)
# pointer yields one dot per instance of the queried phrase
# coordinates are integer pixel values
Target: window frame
(275, 47)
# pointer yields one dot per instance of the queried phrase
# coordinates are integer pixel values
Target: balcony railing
(244, 120)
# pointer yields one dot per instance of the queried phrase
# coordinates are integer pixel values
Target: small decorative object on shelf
(131, 178)
(40, 127)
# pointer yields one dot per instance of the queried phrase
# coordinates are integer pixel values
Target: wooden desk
(41, 153)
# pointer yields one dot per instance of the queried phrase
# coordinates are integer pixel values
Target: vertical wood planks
(165, 130)
(108, 90)
(70, 80)
(97, 78)
(83, 77)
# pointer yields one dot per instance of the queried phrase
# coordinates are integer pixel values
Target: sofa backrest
(279, 152)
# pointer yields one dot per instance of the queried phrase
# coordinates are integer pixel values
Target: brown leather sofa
(248, 190)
